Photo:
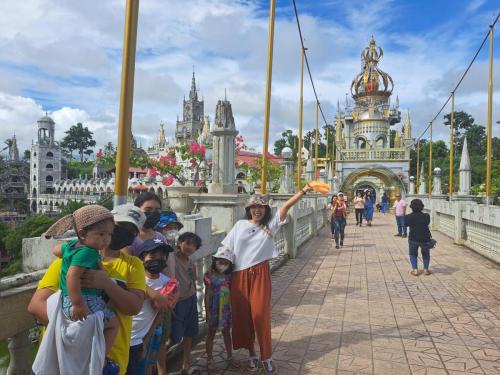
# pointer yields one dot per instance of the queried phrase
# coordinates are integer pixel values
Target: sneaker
(253, 364)
(269, 367)
(341, 243)
(336, 246)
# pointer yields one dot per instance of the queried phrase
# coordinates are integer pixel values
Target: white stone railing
(303, 222)
(467, 222)
(372, 154)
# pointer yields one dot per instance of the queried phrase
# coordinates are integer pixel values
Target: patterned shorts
(94, 302)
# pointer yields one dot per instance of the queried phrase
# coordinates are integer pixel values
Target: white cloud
(67, 57)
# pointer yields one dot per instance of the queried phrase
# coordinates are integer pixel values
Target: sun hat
(150, 245)
(226, 253)
(80, 219)
(128, 213)
(257, 200)
(167, 218)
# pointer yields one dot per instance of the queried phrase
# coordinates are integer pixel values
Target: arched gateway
(367, 156)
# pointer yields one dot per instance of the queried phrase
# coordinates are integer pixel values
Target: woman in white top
(252, 241)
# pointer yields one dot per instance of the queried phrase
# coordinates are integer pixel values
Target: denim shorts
(185, 319)
(94, 302)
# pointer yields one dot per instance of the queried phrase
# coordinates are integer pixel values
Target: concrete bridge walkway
(358, 311)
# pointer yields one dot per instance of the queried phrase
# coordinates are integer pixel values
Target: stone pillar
(20, 363)
(286, 183)
(310, 170)
(464, 171)
(421, 182)
(335, 184)
(223, 159)
(436, 182)
(411, 190)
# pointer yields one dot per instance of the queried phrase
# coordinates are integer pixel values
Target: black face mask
(121, 238)
(152, 218)
(155, 266)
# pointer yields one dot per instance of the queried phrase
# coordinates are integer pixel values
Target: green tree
(476, 140)
(273, 172)
(75, 169)
(27, 155)
(463, 121)
(78, 138)
(288, 139)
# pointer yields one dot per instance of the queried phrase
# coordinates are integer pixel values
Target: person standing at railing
(252, 242)
(359, 207)
(369, 207)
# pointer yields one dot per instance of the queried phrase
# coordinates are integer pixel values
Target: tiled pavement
(357, 310)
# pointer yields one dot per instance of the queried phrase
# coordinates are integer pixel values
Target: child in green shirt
(94, 227)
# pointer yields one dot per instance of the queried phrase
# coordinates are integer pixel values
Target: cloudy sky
(64, 57)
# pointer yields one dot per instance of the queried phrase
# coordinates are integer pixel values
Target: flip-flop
(193, 370)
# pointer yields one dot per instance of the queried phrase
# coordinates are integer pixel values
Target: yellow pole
(452, 125)
(418, 163)
(316, 146)
(489, 132)
(327, 155)
(126, 102)
(267, 109)
(430, 162)
(301, 101)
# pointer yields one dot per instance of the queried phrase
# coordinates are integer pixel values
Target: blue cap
(167, 218)
(150, 245)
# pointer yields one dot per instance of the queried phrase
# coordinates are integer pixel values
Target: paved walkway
(357, 310)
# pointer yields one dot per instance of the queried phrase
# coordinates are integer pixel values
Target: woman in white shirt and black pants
(252, 241)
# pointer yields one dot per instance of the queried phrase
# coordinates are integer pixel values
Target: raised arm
(293, 200)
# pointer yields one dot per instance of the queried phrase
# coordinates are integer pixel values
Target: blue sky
(64, 57)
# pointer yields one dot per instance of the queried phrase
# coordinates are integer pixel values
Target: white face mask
(222, 268)
(172, 235)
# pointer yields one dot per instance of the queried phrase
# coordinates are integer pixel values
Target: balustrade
(372, 154)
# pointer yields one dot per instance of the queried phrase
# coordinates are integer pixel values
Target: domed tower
(371, 89)
(365, 158)
(45, 165)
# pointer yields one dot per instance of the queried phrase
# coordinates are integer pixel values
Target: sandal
(414, 272)
(269, 367)
(232, 362)
(427, 272)
(192, 370)
(253, 364)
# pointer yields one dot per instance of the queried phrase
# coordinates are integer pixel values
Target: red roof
(132, 170)
(250, 158)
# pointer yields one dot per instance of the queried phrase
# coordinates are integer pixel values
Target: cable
(461, 79)
(309, 68)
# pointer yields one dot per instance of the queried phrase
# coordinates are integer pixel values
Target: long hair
(263, 224)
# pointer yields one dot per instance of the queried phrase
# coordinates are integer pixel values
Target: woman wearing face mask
(122, 279)
(150, 204)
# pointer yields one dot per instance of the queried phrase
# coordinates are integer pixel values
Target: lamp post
(267, 110)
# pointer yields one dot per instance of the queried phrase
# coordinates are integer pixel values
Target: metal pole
(418, 163)
(452, 125)
(316, 145)
(301, 101)
(489, 121)
(267, 110)
(430, 162)
(126, 102)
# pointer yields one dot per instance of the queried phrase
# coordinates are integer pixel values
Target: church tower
(191, 125)
(45, 165)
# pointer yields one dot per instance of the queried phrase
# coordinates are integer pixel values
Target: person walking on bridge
(339, 216)
(252, 242)
(400, 212)
(359, 207)
(369, 207)
(420, 236)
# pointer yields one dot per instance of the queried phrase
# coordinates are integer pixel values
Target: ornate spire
(465, 160)
(371, 80)
(193, 95)
(407, 126)
(339, 138)
(396, 139)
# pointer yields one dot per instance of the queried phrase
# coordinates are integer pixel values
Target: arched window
(34, 154)
(34, 191)
(380, 142)
(34, 178)
(49, 166)
(50, 154)
(34, 165)
(49, 178)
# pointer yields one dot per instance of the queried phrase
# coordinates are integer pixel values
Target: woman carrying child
(217, 282)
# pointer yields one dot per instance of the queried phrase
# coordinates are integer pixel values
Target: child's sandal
(253, 364)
